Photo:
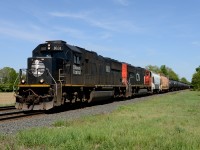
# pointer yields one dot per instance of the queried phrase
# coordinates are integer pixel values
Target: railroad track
(6, 108)
(15, 115)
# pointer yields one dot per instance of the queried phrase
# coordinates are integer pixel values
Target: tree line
(196, 79)
(9, 75)
(168, 72)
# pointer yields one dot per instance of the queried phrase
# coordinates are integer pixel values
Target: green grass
(7, 105)
(164, 122)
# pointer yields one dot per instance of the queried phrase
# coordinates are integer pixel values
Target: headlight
(41, 81)
(49, 46)
(23, 81)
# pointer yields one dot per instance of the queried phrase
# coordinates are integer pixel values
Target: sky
(139, 32)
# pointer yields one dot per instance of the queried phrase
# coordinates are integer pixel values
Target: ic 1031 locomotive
(60, 73)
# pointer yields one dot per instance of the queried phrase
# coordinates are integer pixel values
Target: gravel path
(11, 127)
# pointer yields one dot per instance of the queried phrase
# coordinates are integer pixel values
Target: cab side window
(77, 60)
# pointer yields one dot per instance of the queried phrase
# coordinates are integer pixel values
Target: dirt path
(7, 98)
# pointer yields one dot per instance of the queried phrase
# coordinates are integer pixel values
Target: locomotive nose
(39, 70)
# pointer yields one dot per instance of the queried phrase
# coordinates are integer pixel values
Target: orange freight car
(164, 83)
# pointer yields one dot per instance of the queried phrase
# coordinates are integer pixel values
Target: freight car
(176, 85)
(164, 83)
(60, 73)
(155, 84)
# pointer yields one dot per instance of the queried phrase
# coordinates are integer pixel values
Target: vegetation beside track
(163, 122)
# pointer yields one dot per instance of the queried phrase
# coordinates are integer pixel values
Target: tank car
(173, 85)
(59, 73)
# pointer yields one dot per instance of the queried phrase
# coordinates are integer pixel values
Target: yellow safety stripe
(33, 85)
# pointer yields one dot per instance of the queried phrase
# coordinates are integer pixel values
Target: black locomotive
(60, 73)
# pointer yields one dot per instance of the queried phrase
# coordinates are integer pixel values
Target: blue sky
(139, 32)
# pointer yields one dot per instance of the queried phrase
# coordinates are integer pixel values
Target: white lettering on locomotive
(58, 48)
(107, 68)
(137, 77)
(76, 69)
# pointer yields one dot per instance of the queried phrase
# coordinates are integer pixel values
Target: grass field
(165, 122)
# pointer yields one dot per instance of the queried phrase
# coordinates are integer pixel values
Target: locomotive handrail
(54, 81)
(14, 89)
(59, 75)
(18, 77)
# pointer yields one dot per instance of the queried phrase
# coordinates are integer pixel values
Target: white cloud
(20, 32)
(26, 35)
(69, 15)
(78, 34)
(35, 27)
(106, 35)
(84, 17)
(114, 25)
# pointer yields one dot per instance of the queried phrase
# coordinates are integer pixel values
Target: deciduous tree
(163, 69)
(184, 80)
(7, 78)
(196, 79)
(155, 69)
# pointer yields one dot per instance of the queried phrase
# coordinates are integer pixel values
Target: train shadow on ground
(79, 105)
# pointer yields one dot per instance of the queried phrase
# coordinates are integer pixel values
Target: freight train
(59, 73)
